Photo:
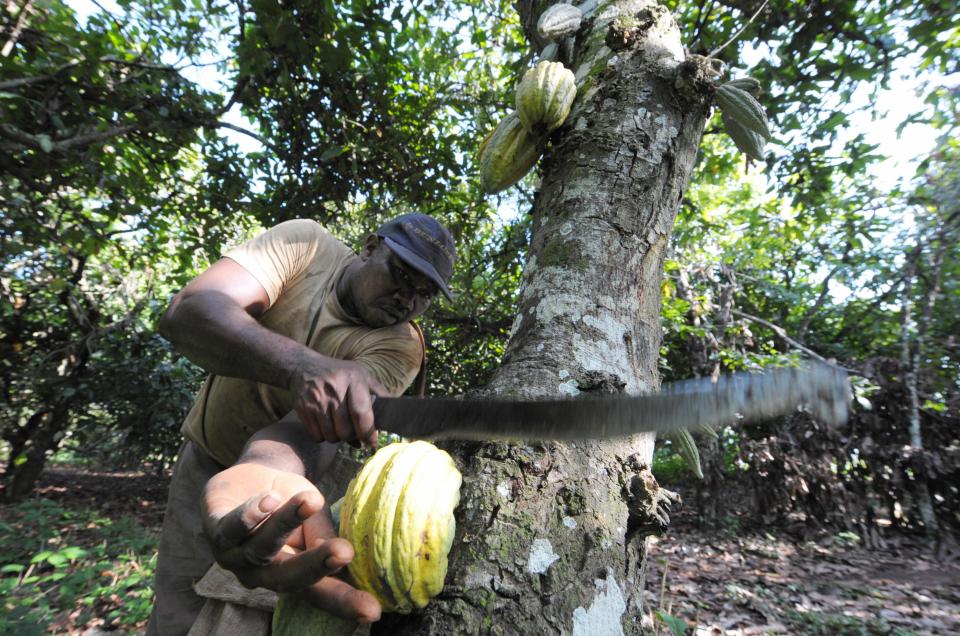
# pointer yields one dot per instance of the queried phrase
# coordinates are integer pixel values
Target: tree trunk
(19, 479)
(551, 538)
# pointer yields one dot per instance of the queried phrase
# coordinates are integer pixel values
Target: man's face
(387, 291)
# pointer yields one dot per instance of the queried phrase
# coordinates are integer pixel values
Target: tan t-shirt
(298, 263)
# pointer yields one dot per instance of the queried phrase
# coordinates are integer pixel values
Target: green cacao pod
(749, 142)
(398, 514)
(507, 154)
(686, 447)
(559, 21)
(707, 431)
(744, 108)
(295, 617)
(747, 84)
(544, 96)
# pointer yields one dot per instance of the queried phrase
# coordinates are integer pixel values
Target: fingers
(319, 528)
(360, 409)
(340, 419)
(297, 571)
(230, 529)
(263, 542)
(339, 597)
(336, 406)
(311, 420)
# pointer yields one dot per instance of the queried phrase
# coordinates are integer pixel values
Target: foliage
(677, 626)
(370, 101)
(118, 189)
(67, 568)
(107, 210)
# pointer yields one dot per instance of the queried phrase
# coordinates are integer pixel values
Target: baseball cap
(424, 244)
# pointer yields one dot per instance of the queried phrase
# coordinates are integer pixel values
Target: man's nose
(406, 296)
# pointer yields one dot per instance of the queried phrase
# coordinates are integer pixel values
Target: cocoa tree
(553, 535)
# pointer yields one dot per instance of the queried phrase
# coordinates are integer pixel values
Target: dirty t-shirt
(298, 263)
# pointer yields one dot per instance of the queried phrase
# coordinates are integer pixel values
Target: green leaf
(332, 153)
(677, 626)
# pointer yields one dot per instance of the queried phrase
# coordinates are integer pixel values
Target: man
(294, 327)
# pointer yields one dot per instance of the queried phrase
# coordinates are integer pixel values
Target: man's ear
(371, 243)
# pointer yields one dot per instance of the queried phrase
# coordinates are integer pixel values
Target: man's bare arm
(287, 446)
(213, 321)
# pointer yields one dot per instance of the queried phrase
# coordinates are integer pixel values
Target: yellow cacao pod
(544, 97)
(398, 514)
(507, 154)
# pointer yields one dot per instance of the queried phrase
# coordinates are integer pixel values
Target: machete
(687, 404)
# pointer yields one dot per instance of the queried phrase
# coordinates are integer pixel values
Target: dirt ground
(719, 583)
(763, 583)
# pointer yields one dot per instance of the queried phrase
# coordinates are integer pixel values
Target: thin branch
(248, 133)
(25, 12)
(497, 328)
(113, 18)
(26, 81)
(781, 332)
(26, 139)
(824, 292)
(737, 34)
(157, 67)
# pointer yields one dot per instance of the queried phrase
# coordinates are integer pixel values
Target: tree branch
(25, 12)
(496, 328)
(781, 332)
(737, 34)
(824, 292)
(32, 141)
(248, 133)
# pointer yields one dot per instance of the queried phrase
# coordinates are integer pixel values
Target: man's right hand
(332, 400)
(272, 530)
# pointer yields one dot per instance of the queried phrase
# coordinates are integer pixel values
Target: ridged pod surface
(748, 84)
(559, 21)
(398, 514)
(744, 108)
(686, 447)
(507, 154)
(296, 617)
(544, 97)
(749, 142)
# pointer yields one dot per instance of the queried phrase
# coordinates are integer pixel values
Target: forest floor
(758, 581)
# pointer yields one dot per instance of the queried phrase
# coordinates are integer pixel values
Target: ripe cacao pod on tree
(398, 514)
(544, 97)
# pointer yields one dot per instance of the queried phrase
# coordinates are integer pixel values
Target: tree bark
(19, 480)
(551, 538)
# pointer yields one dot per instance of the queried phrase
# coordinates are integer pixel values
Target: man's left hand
(281, 538)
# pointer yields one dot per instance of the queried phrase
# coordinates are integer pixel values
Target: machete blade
(687, 404)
